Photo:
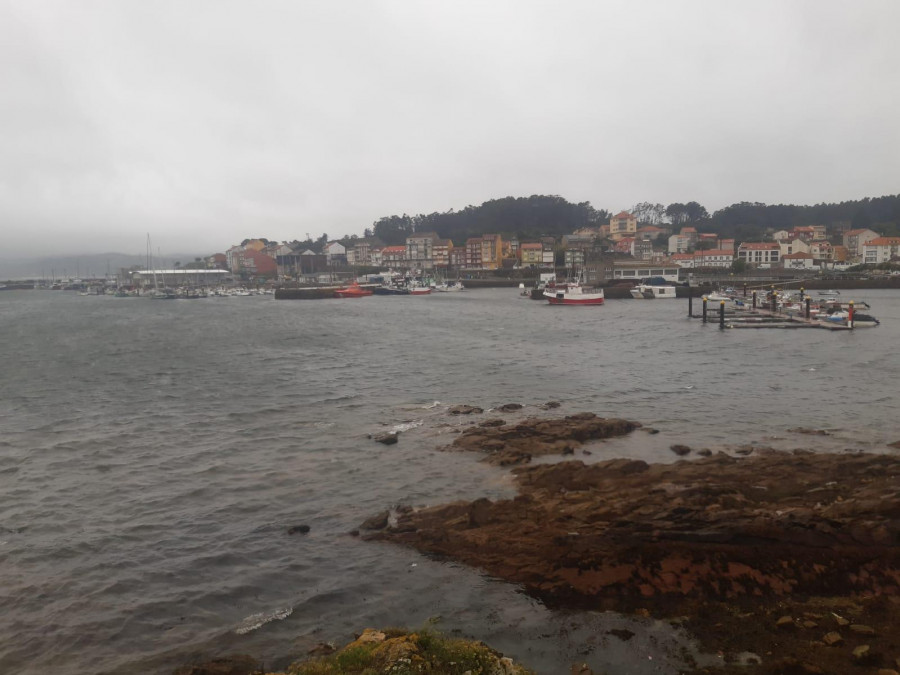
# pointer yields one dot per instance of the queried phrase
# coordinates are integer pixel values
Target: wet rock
(387, 439)
(321, 649)
(895, 444)
(651, 430)
(586, 452)
(465, 410)
(353, 533)
(377, 522)
(744, 450)
(861, 653)
(369, 636)
(833, 638)
(492, 423)
(861, 629)
(785, 622)
(622, 633)
(809, 624)
(705, 452)
(240, 664)
(550, 405)
(509, 407)
(887, 671)
(581, 669)
(298, 529)
(841, 621)
(811, 432)
(513, 445)
(680, 450)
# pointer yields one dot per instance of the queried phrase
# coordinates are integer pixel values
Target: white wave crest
(406, 426)
(255, 621)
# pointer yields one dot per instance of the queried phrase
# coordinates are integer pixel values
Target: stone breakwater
(794, 557)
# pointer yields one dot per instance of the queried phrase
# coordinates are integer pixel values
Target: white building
(759, 253)
(798, 261)
(881, 249)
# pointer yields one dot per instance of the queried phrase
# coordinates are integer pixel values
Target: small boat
(650, 292)
(842, 317)
(829, 294)
(416, 289)
(449, 287)
(354, 290)
(716, 296)
(573, 293)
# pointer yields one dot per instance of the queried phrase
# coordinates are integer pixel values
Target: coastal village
(623, 249)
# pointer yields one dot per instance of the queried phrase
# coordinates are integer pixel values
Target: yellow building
(622, 225)
(491, 251)
(532, 254)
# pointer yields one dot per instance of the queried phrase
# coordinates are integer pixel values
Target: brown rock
(887, 671)
(492, 423)
(465, 410)
(240, 664)
(512, 445)
(895, 444)
(581, 669)
(378, 522)
(510, 407)
(321, 649)
(389, 438)
(785, 622)
(832, 638)
(680, 450)
(861, 629)
(705, 452)
(549, 405)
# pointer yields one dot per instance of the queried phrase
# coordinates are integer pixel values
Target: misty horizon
(211, 122)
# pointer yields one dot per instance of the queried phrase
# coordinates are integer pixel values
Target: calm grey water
(153, 455)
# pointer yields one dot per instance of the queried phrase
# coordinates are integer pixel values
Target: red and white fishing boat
(419, 289)
(354, 290)
(573, 293)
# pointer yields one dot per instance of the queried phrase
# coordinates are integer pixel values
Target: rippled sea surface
(154, 454)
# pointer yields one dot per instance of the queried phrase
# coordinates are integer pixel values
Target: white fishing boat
(573, 293)
(651, 292)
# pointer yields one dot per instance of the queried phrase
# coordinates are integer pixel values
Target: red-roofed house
(854, 240)
(881, 249)
(393, 256)
(759, 253)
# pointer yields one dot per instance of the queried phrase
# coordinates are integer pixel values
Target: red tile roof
(885, 241)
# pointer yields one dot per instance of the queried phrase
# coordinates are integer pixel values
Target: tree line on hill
(551, 215)
(530, 218)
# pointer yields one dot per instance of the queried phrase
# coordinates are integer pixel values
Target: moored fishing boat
(573, 293)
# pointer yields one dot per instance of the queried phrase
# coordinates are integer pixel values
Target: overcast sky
(205, 122)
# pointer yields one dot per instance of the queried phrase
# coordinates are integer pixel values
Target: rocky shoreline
(790, 558)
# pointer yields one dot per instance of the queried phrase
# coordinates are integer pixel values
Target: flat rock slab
(516, 444)
(774, 524)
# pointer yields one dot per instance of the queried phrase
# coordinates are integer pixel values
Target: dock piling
(807, 300)
(722, 315)
(850, 316)
(754, 299)
(690, 301)
(704, 309)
